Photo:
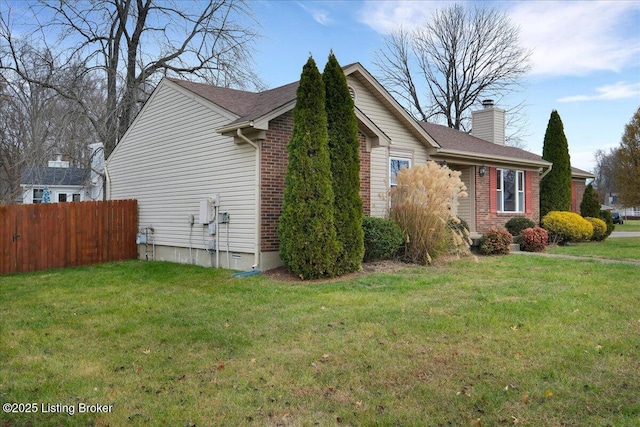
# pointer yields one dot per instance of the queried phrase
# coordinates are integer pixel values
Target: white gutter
(256, 263)
(107, 180)
(546, 172)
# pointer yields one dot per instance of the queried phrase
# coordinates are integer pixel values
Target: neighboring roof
(41, 175)
(454, 141)
(579, 173)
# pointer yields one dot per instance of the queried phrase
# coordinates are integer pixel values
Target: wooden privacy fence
(54, 235)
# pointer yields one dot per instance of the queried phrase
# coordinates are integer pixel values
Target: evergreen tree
(555, 187)
(344, 151)
(308, 244)
(590, 205)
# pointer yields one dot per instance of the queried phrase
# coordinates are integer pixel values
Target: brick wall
(577, 192)
(486, 219)
(273, 168)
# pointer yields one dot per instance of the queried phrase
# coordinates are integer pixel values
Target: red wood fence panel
(55, 235)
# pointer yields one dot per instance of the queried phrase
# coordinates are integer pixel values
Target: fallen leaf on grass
(525, 398)
(146, 350)
(548, 393)
(220, 367)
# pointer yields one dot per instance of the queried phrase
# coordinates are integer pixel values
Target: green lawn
(526, 340)
(623, 248)
(629, 225)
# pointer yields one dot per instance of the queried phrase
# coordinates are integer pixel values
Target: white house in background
(62, 182)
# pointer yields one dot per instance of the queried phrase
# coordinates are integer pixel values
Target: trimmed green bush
(608, 219)
(534, 239)
(383, 238)
(344, 151)
(517, 224)
(555, 187)
(308, 243)
(495, 242)
(566, 227)
(599, 228)
(590, 205)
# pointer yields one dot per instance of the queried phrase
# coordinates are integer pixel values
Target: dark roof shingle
(41, 175)
(453, 139)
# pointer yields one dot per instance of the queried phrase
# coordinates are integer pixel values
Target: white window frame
(519, 191)
(35, 199)
(398, 159)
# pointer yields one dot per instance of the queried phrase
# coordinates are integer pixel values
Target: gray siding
(171, 158)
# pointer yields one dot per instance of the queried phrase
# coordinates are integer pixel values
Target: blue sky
(585, 56)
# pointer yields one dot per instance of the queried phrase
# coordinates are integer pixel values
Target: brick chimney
(488, 123)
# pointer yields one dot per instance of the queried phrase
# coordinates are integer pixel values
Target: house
(207, 166)
(58, 182)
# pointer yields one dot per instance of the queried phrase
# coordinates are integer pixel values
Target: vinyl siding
(171, 158)
(403, 144)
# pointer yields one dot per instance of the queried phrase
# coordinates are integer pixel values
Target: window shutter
(528, 192)
(574, 197)
(493, 188)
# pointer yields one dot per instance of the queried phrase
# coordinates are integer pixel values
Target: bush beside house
(564, 227)
(308, 242)
(555, 187)
(344, 148)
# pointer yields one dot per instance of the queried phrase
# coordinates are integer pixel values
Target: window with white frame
(395, 165)
(38, 193)
(510, 190)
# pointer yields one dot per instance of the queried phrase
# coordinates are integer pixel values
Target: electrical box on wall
(223, 217)
(206, 211)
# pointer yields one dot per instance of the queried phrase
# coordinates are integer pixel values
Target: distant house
(197, 150)
(58, 182)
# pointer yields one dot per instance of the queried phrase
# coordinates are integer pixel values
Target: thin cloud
(566, 38)
(387, 16)
(620, 90)
(321, 16)
(576, 38)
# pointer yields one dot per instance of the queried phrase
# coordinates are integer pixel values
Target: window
(510, 190)
(395, 165)
(62, 197)
(76, 197)
(38, 193)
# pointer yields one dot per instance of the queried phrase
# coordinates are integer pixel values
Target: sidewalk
(575, 257)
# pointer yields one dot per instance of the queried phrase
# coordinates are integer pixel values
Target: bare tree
(130, 44)
(605, 172)
(456, 59)
(628, 164)
(38, 124)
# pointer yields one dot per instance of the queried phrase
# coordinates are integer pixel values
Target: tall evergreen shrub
(555, 187)
(308, 244)
(590, 205)
(345, 167)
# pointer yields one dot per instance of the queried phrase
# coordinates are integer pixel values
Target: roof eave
(477, 158)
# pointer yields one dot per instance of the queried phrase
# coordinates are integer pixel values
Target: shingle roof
(247, 105)
(452, 139)
(41, 175)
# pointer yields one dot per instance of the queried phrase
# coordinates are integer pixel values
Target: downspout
(256, 260)
(107, 184)
(546, 172)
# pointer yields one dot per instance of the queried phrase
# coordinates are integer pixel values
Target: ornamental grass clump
(533, 239)
(565, 227)
(421, 205)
